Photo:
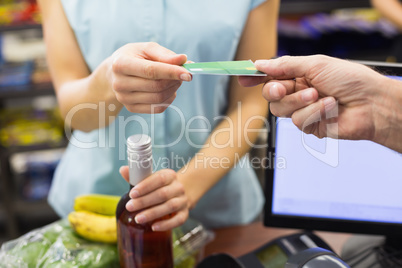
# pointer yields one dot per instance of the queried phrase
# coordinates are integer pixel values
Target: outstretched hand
(324, 96)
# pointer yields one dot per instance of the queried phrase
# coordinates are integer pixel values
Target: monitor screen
(329, 184)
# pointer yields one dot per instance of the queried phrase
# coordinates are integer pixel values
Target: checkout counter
(240, 240)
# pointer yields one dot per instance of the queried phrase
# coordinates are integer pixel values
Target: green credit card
(244, 67)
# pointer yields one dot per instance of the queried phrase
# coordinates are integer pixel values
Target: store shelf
(26, 91)
(19, 27)
(7, 151)
(314, 6)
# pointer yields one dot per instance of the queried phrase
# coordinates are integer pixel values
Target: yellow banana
(97, 203)
(93, 226)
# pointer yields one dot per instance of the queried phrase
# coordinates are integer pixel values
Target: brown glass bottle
(138, 245)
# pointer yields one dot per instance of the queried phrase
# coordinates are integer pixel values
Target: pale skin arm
(258, 40)
(390, 9)
(135, 76)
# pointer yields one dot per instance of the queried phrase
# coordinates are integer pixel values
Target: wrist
(388, 111)
(192, 195)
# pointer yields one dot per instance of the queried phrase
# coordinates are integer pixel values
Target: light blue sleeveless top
(205, 30)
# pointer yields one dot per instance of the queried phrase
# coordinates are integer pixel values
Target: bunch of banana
(94, 217)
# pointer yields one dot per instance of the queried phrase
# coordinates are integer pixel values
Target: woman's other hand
(158, 195)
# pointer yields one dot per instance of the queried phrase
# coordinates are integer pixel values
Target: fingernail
(307, 95)
(134, 194)
(274, 91)
(185, 77)
(140, 219)
(130, 206)
(156, 227)
(121, 169)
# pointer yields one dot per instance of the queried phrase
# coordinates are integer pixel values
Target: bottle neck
(139, 156)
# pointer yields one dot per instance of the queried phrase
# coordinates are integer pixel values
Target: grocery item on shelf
(14, 12)
(15, 74)
(40, 73)
(34, 172)
(28, 126)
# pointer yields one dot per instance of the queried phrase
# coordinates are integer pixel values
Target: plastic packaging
(56, 245)
(189, 241)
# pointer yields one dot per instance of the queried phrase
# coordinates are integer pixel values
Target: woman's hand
(146, 76)
(158, 195)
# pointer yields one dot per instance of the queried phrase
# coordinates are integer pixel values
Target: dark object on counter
(315, 258)
(220, 260)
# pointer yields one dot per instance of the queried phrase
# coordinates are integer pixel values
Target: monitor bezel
(313, 223)
(385, 68)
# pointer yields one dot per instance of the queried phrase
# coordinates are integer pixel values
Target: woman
(115, 75)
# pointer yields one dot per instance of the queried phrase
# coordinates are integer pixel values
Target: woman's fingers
(150, 69)
(124, 173)
(172, 207)
(175, 221)
(150, 61)
(157, 197)
(129, 84)
(155, 52)
(150, 108)
(159, 92)
(155, 181)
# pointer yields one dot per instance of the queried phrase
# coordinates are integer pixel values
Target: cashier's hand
(318, 91)
(160, 195)
(146, 76)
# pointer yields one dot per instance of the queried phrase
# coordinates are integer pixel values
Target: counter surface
(239, 240)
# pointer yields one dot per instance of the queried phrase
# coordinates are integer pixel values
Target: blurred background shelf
(8, 151)
(26, 91)
(314, 6)
(20, 27)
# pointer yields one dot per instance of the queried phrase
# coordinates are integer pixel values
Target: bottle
(138, 245)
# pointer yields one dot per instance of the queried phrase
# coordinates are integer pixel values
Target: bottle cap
(139, 156)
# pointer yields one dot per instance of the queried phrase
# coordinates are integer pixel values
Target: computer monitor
(332, 185)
